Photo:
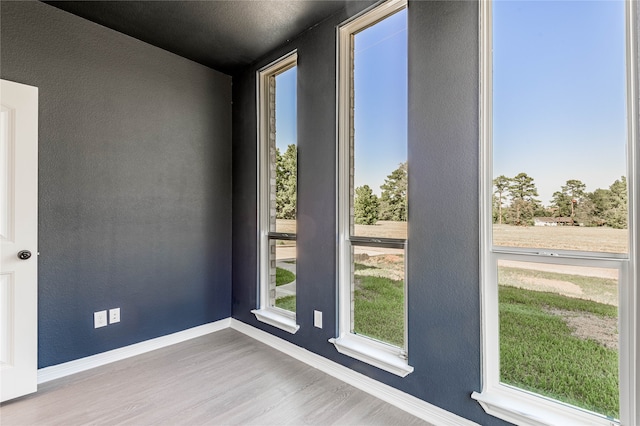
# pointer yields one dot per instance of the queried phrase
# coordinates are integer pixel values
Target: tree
(286, 183)
(522, 191)
(585, 212)
(501, 184)
(599, 202)
(570, 196)
(617, 214)
(365, 206)
(575, 190)
(393, 199)
(562, 204)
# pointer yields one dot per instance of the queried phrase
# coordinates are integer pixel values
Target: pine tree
(522, 191)
(501, 184)
(393, 199)
(365, 206)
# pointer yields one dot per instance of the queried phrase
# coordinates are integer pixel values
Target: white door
(18, 239)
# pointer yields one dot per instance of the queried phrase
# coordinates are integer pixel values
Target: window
(559, 212)
(278, 193)
(372, 98)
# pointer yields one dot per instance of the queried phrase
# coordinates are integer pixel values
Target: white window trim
(273, 316)
(513, 404)
(386, 357)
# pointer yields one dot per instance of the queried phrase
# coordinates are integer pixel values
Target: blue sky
(286, 116)
(380, 100)
(559, 95)
(559, 92)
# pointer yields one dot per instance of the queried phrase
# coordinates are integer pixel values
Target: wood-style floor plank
(224, 378)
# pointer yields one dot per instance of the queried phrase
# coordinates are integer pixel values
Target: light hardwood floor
(219, 379)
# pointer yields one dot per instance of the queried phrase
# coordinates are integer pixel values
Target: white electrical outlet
(99, 319)
(317, 319)
(114, 315)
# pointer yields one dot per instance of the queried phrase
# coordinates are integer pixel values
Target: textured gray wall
(443, 254)
(135, 190)
(443, 259)
(135, 182)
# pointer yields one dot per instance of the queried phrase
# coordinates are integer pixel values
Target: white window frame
(513, 404)
(266, 313)
(384, 356)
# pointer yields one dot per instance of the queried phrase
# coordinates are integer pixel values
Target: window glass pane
(287, 226)
(559, 125)
(378, 294)
(559, 332)
(379, 132)
(284, 170)
(383, 229)
(283, 274)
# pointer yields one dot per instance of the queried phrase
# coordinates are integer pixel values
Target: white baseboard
(404, 401)
(61, 370)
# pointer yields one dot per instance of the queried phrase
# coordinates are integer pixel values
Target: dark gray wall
(317, 236)
(443, 254)
(135, 182)
(136, 203)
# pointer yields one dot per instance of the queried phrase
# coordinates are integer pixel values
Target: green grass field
(538, 351)
(284, 277)
(379, 309)
(597, 289)
(288, 303)
(539, 348)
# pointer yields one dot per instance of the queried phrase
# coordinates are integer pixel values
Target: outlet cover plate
(317, 319)
(99, 319)
(114, 315)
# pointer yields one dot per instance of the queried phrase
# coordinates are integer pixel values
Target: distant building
(552, 221)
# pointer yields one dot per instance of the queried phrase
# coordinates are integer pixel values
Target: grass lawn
(597, 289)
(539, 353)
(539, 350)
(379, 308)
(288, 303)
(284, 277)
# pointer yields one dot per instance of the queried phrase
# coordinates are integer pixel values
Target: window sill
(276, 319)
(522, 408)
(377, 354)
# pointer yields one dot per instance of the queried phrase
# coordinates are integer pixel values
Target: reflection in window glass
(559, 125)
(559, 332)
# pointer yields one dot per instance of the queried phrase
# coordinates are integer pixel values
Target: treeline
(368, 208)
(515, 203)
(514, 199)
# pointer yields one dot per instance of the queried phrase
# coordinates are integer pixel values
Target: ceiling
(222, 34)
